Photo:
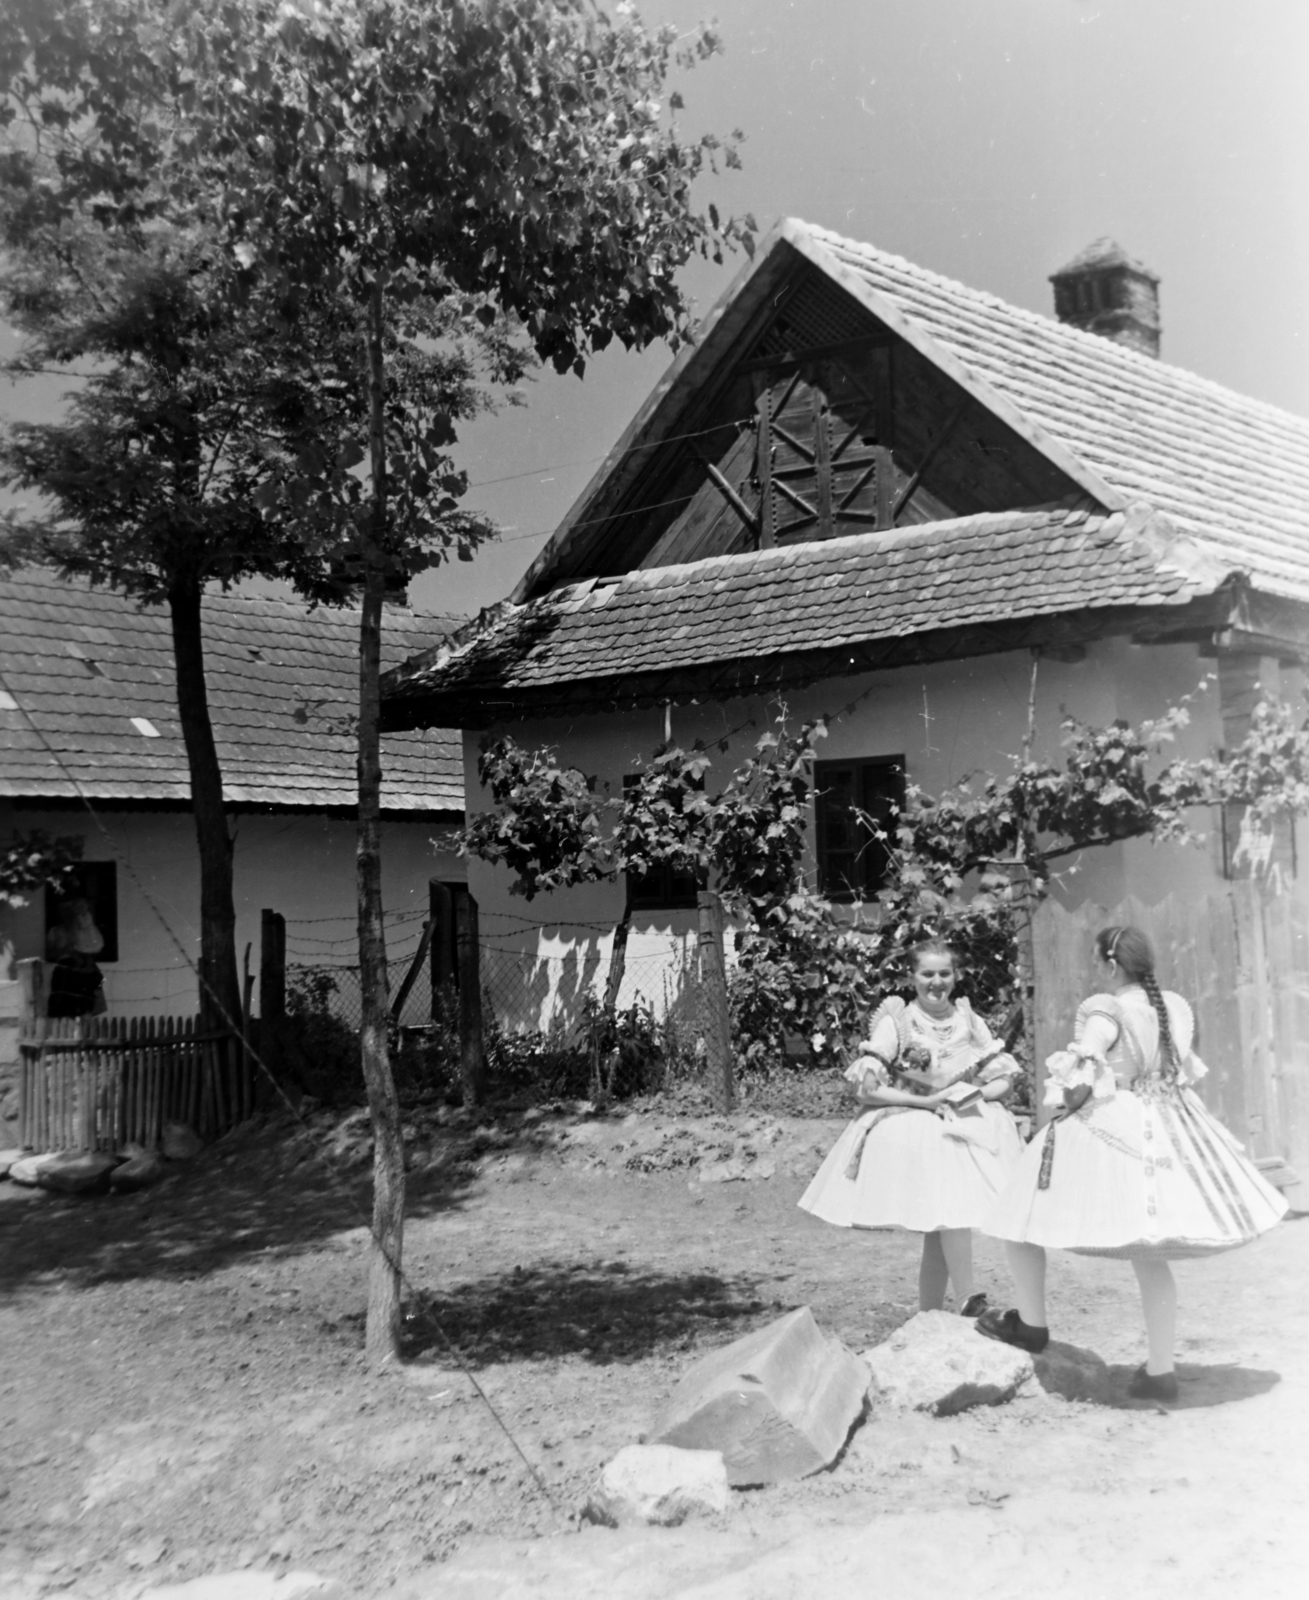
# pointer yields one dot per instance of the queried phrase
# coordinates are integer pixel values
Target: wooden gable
(819, 419)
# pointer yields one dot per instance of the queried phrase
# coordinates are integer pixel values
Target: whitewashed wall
(948, 720)
(302, 866)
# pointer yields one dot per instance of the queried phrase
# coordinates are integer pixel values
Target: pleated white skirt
(912, 1169)
(1139, 1175)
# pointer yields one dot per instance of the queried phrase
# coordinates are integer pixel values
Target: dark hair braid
(1130, 948)
(1150, 984)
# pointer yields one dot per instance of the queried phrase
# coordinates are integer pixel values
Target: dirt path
(182, 1391)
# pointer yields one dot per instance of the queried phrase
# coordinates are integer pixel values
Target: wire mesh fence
(541, 1007)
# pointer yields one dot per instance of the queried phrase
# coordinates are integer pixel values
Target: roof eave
(1198, 618)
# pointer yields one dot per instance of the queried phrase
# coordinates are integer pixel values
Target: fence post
(441, 914)
(272, 987)
(715, 1022)
(31, 982)
(470, 996)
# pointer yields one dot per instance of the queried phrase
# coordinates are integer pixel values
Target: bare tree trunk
(715, 1015)
(382, 1328)
(602, 1071)
(220, 993)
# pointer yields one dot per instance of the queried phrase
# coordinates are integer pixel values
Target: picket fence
(100, 1083)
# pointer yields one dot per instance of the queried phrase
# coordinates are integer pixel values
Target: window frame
(97, 883)
(664, 895)
(867, 852)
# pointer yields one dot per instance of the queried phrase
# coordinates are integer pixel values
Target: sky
(989, 140)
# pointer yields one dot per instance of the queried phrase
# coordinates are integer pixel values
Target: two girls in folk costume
(933, 1146)
(1132, 1165)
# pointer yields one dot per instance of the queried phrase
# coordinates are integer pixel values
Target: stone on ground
(77, 1172)
(138, 1172)
(251, 1584)
(27, 1169)
(779, 1404)
(7, 1159)
(1073, 1373)
(939, 1363)
(181, 1142)
(659, 1484)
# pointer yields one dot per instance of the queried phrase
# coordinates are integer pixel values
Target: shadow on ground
(1198, 1387)
(604, 1312)
(261, 1188)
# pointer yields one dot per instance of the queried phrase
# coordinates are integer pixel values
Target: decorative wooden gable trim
(810, 409)
(884, 309)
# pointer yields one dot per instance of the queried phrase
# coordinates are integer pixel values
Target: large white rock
(659, 1484)
(27, 1169)
(779, 1403)
(7, 1159)
(938, 1362)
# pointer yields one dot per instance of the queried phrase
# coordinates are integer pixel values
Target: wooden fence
(99, 1083)
(1241, 957)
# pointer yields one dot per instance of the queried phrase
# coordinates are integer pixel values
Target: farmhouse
(91, 749)
(873, 493)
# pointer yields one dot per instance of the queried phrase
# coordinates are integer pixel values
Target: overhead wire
(418, 1299)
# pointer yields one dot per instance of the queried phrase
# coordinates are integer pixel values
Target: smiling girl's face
(933, 980)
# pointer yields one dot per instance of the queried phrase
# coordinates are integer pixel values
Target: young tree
(511, 159)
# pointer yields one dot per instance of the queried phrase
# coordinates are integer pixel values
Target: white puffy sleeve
(1002, 1064)
(1095, 1032)
(880, 1048)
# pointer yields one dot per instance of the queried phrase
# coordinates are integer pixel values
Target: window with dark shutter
(852, 800)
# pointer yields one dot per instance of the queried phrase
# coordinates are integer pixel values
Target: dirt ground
(182, 1389)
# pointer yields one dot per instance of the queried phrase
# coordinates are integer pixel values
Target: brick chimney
(1104, 291)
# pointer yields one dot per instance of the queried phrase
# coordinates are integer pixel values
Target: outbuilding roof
(88, 700)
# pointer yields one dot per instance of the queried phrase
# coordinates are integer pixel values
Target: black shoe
(974, 1305)
(1153, 1385)
(1009, 1328)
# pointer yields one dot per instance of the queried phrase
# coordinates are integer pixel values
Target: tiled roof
(83, 663)
(1231, 471)
(757, 607)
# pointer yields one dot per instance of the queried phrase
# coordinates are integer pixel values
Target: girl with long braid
(1132, 1164)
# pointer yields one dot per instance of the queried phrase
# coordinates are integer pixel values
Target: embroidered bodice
(952, 1043)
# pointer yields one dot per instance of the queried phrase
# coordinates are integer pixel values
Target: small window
(852, 860)
(84, 917)
(663, 888)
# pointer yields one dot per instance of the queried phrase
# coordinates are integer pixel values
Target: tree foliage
(555, 826)
(34, 861)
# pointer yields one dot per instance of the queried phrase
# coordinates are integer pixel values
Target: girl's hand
(1076, 1098)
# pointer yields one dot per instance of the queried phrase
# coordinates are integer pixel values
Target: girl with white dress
(1132, 1165)
(933, 1145)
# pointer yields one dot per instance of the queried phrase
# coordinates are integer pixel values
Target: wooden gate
(1241, 957)
(99, 1083)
